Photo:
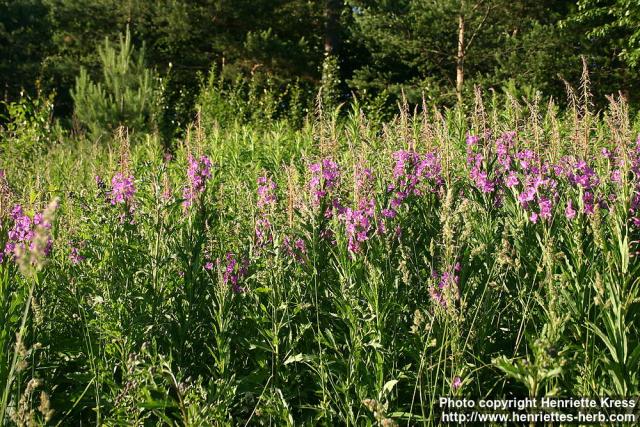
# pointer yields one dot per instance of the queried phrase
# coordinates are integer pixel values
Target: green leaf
(389, 385)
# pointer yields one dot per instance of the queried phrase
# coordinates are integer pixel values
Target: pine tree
(127, 94)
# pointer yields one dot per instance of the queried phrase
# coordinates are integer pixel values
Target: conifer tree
(126, 95)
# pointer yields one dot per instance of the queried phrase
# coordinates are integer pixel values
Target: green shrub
(257, 99)
(28, 132)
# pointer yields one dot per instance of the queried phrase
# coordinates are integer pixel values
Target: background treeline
(373, 50)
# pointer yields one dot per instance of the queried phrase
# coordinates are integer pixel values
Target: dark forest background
(372, 51)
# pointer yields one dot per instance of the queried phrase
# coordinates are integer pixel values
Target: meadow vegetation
(327, 268)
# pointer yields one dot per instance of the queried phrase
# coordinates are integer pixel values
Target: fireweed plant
(347, 273)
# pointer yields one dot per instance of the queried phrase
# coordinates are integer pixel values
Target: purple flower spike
(359, 224)
(615, 176)
(512, 179)
(74, 255)
(22, 236)
(266, 192)
(388, 213)
(589, 204)
(569, 212)
(235, 272)
(122, 189)
(296, 250)
(198, 173)
(447, 282)
(414, 175)
(324, 178)
(545, 208)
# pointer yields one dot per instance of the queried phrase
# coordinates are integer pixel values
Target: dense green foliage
(381, 47)
(344, 272)
(213, 212)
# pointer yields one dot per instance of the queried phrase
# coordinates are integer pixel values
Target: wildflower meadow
(345, 272)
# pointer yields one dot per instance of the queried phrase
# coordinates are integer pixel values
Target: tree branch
(480, 25)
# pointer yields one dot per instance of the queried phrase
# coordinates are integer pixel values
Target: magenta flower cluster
(235, 271)
(359, 223)
(616, 161)
(535, 182)
(198, 173)
(266, 192)
(364, 180)
(21, 235)
(325, 177)
(122, 189)
(296, 249)
(74, 255)
(413, 175)
(491, 165)
(263, 231)
(456, 384)
(323, 185)
(446, 284)
(538, 193)
(476, 162)
(266, 200)
(583, 178)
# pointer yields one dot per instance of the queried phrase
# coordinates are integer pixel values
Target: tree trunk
(460, 57)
